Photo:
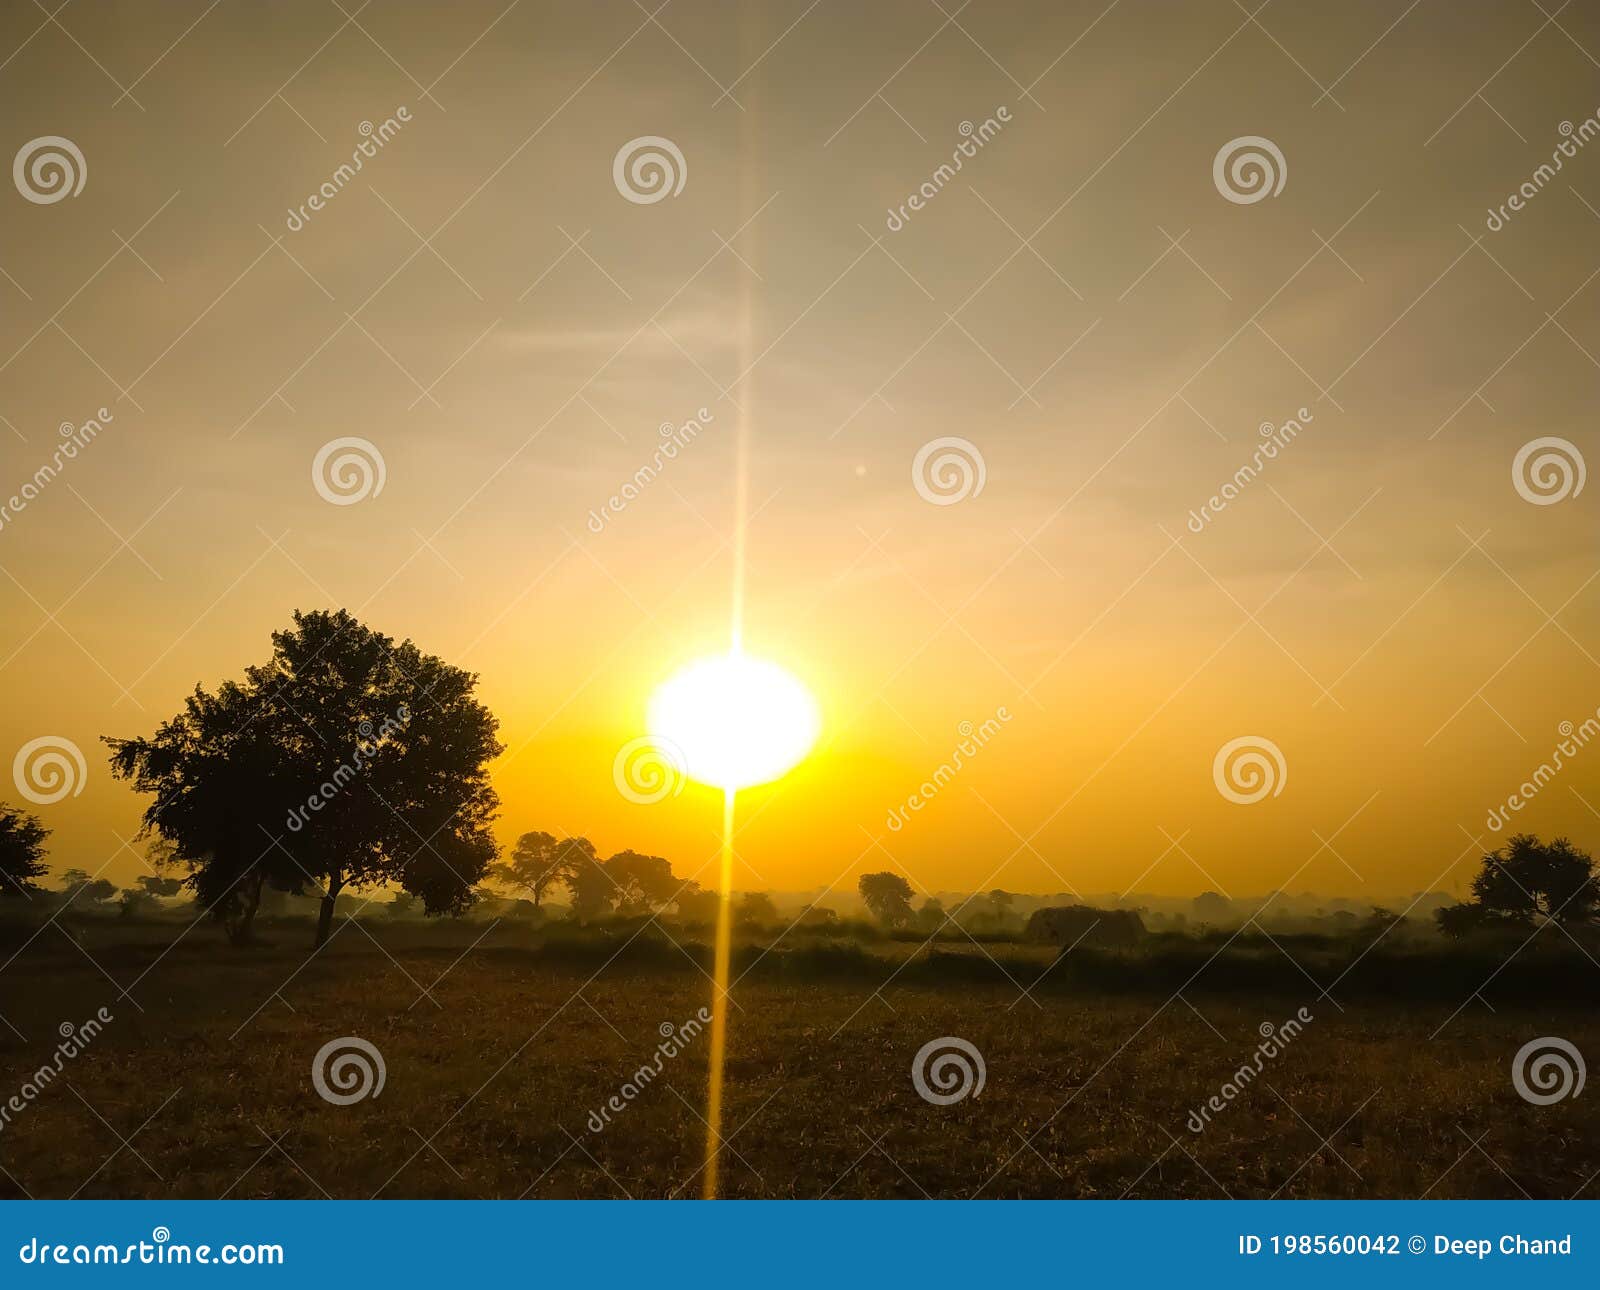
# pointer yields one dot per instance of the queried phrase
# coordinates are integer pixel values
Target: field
(497, 1053)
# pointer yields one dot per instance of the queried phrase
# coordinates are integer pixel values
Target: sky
(1394, 610)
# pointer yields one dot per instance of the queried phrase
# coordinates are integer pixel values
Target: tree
(757, 910)
(343, 761)
(540, 861)
(1527, 882)
(697, 905)
(593, 891)
(21, 851)
(931, 917)
(158, 887)
(888, 896)
(78, 887)
(643, 884)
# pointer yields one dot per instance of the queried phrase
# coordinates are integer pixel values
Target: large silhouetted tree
(345, 760)
(644, 884)
(888, 896)
(1527, 882)
(21, 851)
(540, 861)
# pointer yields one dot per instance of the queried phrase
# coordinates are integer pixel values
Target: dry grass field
(496, 1054)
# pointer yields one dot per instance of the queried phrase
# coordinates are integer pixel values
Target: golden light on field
(736, 721)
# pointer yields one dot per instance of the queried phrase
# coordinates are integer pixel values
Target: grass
(497, 1053)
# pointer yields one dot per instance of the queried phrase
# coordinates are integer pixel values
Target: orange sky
(513, 371)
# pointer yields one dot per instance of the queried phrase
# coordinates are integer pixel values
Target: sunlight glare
(735, 720)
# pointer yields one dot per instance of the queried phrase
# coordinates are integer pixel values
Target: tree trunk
(325, 913)
(239, 920)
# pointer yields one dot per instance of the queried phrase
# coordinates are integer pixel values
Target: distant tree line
(346, 761)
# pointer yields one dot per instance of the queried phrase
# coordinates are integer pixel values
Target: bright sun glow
(735, 720)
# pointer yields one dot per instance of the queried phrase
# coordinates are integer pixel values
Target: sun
(734, 721)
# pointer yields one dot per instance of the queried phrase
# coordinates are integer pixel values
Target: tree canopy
(344, 760)
(21, 851)
(888, 896)
(1527, 882)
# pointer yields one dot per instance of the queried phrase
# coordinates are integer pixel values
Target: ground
(496, 1055)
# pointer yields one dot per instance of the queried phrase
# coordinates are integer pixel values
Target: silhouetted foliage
(696, 905)
(888, 896)
(21, 851)
(344, 760)
(540, 861)
(643, 884)
(593, 892)
(757, 910)
(1524, 883)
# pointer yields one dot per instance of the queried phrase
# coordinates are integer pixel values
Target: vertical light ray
(749, 153)
(719, 1000)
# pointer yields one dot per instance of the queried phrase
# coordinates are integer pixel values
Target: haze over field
(483, 305)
